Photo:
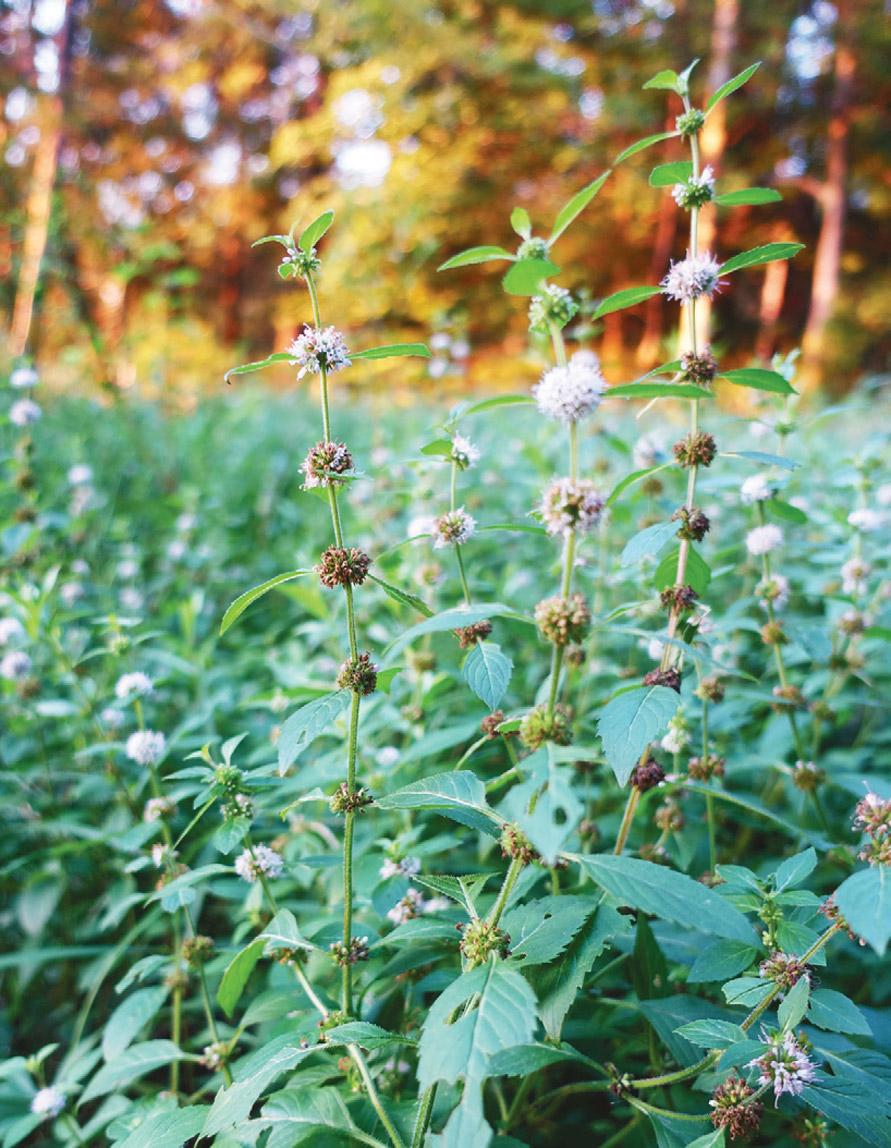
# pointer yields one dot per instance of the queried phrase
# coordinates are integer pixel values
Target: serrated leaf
(459, 795)
(795, 869)
(648, 542)
(260, 364)
(630, 721)
(629, 297)
(864, 900)
(697, 574)
(487, 671)
(768, 253)
(232, 1105)
(732, 84)
(721, 960)
(241, 603)
(314, 232)
(392, 351)
(540, 930)
(544, 805)
(307, 723)
(526, 275)
(711, 1033)
(236, 975)
(454, 619)
(504, 1017)
(665, 894)
(641, 145)
(166, 1127)
(528, 1058)
(473, 255)
(462, 890)
(571, 210)
(759, 380)
(748, 197)
(668, 174)
(833, 1011)
(368, 1036)
(127, 1020)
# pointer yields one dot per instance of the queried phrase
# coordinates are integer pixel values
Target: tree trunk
(827, 257)
(38, 209)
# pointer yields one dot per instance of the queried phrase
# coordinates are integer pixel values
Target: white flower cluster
(854, 574)
(24, 413)
(319, 348)
(407, 867)
(865, 519)
(263, 861)
(135, 685)
(785, 1065)
(157, 807)
(773, 591)
(14, 666)
(698, 189)
(464, 453)
(23, 378)
(48, 1102)
(764, 539)
(691, 278)
(453, 528)
(10, 629)
(572, 392)
(80, 475)
(755, 489)
(677, 737)
(412, 905)
(571, 504)
(146, 746)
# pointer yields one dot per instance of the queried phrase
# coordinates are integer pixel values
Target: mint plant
(534, 788)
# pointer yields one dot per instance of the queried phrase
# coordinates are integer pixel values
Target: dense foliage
(538, 786)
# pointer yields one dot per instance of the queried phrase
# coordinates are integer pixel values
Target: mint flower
(135, 685)
(763, 539)
(146, 746)
(263, 861)
(572, 392)
(319, 349)
(785, 1065)
(48, 1102)
(691, 278)
(24, 413)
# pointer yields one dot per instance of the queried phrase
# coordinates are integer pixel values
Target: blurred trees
(190, 127)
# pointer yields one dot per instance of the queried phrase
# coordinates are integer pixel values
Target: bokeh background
(144, 144)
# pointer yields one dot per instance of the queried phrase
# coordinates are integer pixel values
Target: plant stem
(627, 819)
(425, 1110)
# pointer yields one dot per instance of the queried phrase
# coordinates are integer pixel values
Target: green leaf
(462, 890)
(834, 1012)
(541, 930)
(526, 275)
(403, 597)
(131, 1015)
(785, 511)
(236, 975)
(528, 1058)
(641, 145)
(571, 210)
(748, 197)
(668, 895)
(629, 297)
(768, 253)
(658, 391)
(487, 671)
(711, 1033)
(759, 380)
(312, 234)
(520, 222)
(392, 351)
(761, 457)
(544, 804)
(438, 448)
(720, 960)
(698, 574)
(630, 721)
(294, 1113)
(633, 479)
(713, 1139)
(666, 81)
(282, 932)
(475, 255)
(127, 1068)
(459, 795)
(732, 84)
(369, 1036)
(307, 723)
(795, 869)
(497, 401)
(232, 1105)
(453, 619)
(794, 1004)
(844, 1102)
(166, 1127)
(864, 900)
(503, 1017)
(648, 542)
(260, 364)
(557, 984)
(241, 603)
(668, 174)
